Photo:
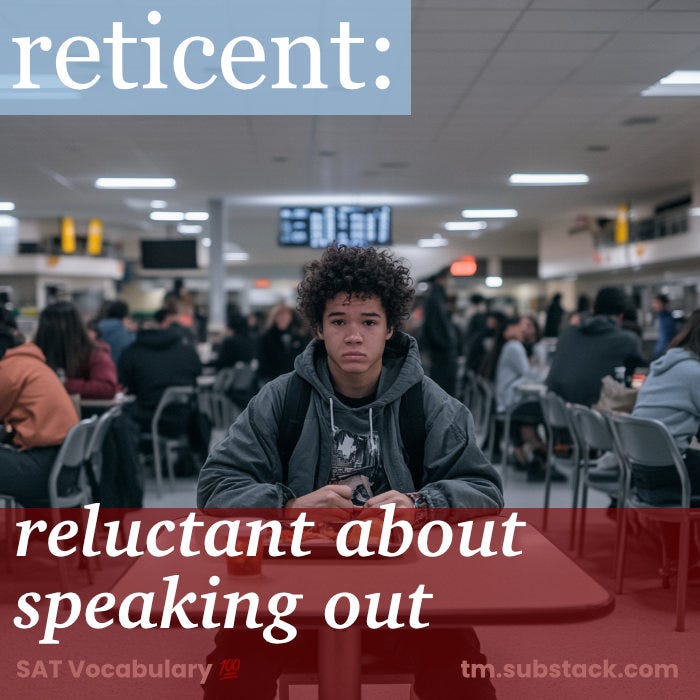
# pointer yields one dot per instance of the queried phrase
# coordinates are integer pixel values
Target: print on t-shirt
(356, 462)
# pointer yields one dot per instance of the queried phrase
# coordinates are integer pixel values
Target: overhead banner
(213, 57)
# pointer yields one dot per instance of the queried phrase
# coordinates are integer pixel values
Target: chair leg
(574, 507)
(506, 444)
(157, 465)
(582, 519)
(492, 438)
(621, 546)
(683, 555)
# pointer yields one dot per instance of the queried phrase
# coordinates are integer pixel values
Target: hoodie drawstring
(371, 423)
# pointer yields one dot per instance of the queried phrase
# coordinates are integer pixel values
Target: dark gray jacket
(587, 353)
(244, 470)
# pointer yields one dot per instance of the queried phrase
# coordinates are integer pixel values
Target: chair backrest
(554, 411)
(592, 428)
(648, 443)
(72, 454)
(171, 396)
(94, 449)
(482, 406)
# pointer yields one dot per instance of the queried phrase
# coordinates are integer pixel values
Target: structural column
(218, 231)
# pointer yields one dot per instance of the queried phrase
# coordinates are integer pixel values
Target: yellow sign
(94, 237)
(622, 224)
(67, 235)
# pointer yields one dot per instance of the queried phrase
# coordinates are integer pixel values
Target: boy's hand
(331, 496)
(400, 499)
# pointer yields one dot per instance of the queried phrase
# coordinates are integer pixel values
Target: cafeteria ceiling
(499, 86)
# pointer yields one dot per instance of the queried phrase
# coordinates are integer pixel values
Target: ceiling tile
(580, 21)
(465, 21)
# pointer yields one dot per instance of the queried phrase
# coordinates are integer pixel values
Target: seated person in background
(588, 352)
(479, 345)
(279, 344)
(237, 347)
(671, 394)
(115, 328)
(161, 357)
(36, 413)
(507, 366)
(62, 337)
(350, 452)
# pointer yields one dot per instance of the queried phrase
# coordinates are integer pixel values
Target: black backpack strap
(296, 404)
(413, 433)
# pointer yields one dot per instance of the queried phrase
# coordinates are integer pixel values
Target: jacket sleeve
(456, 473)
(244, 469)
(102, 382)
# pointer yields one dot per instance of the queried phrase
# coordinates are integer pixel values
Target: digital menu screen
(319, 227)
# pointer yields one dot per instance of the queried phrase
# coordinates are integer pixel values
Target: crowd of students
(111, 353)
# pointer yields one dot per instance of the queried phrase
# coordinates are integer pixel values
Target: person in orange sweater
(36, 413)
(88, 366)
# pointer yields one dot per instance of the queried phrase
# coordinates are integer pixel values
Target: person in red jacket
(36, 414)
(88, 367)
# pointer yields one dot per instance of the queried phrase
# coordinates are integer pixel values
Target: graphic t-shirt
(356, 458)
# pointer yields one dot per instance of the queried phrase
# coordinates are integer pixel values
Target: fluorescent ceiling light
(135, 183)
(167, 216)
(196, 216)
(236, 257)
(189, 228)
(694, 211)
(7, 220)
(158, 204)
(435, 241)
(659, 90)
(489, 213)
(206, 242)
(682, 77)
(548, 179)
(465, 226)
(7, 206)
(494, 281)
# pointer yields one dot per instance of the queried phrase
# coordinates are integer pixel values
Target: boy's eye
(370, 323)
(337, 322)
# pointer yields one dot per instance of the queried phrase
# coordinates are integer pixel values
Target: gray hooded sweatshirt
(244, 469)
(671, 394)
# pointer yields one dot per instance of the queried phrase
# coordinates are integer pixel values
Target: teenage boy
(353, 447)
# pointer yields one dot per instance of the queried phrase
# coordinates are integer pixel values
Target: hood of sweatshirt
(401, 369)
(25, 350)
(159, 338)
(673, 357)
(598, 325)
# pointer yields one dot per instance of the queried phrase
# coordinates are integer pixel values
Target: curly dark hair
(361, 272)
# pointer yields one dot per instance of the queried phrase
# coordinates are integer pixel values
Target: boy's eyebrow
(364, 313)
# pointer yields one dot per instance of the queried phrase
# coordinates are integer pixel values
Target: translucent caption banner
(211, 57)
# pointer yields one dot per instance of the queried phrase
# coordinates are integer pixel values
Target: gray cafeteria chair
(162, 446)
(94, 448)
(557, 418)
(70, 466)
(595, 439)
(640, 443)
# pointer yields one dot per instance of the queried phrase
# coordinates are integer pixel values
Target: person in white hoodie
(671, 394)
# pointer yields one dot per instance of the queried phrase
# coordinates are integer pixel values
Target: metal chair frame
(558, 417)
(648, 442)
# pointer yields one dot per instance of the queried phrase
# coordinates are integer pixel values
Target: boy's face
(355, 332)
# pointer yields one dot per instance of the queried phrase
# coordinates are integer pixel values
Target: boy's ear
(389, 333)
(319, 331)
